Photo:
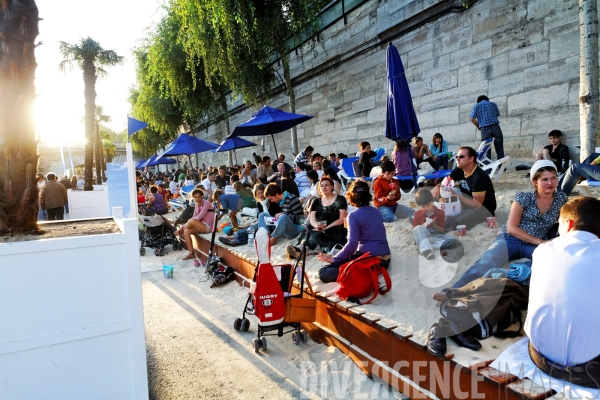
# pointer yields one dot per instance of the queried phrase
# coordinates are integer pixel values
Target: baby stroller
(157, 234)
(271, 298)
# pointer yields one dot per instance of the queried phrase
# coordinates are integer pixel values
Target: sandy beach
(415, 279)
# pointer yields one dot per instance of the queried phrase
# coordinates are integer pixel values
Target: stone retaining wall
(524, 55)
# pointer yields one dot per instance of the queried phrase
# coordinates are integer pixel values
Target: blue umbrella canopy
(234, 143)
(269, 121)
(186, 145)
(401, 121)
(156, 160)
(140, 164)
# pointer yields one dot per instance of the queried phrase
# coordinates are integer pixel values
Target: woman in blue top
(365, 227)
(439, 151)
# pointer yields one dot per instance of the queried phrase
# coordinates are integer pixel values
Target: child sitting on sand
(231, 203)
(429, 223)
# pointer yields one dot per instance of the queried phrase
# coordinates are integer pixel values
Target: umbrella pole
(275, 146)
(235, 156)
(412, 165)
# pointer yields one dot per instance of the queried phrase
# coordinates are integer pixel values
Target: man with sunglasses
(478, 198)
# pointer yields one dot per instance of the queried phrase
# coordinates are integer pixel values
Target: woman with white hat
(532, 215)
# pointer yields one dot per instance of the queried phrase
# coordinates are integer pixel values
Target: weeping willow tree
(18, 144)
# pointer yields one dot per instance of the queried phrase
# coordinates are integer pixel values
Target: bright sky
(117, 25)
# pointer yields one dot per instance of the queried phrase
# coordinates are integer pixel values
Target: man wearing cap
(53, 197)
(577, 172)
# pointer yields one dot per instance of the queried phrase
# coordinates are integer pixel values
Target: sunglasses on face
(461, 156)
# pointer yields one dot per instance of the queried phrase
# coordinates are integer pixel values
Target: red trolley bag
(269, 301)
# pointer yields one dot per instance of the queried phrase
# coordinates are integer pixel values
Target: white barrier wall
(72, 319)
(89, 204)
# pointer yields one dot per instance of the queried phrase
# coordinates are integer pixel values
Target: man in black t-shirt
(221, 180)
(556, 152)
(479, 199)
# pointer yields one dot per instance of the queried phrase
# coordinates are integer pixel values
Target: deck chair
(495, 168)
(484, 147)
(584, 187)
(380, 153)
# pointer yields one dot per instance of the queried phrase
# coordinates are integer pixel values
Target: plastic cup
(461, 230)
(491, 222)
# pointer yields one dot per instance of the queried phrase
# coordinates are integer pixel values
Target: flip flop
(189, 257)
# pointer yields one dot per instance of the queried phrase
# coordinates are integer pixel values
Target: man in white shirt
(173, 187)
(302, 181)
(209, 184)
(80, 183)
(563, 319)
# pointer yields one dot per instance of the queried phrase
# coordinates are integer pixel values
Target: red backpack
(359, 277)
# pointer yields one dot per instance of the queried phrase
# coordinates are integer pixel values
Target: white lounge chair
(496, 168)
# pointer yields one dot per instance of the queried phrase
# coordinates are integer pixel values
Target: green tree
(18, 145)
(237, 39)
(92, 59)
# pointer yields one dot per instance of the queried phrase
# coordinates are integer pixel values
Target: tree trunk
(588, 76)
(291, 97)
(89, 80)
(18, 145)
(103, 162)
(223, 102)
(98, 154)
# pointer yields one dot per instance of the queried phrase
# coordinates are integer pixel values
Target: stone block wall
(524, 55)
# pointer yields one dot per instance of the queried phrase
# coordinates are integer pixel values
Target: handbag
(360, 277)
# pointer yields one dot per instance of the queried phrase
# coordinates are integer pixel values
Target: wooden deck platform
(381, 347)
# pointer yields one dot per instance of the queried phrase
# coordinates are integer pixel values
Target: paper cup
(491, 222)
(461, 230)
(168, 271)
(412, 204)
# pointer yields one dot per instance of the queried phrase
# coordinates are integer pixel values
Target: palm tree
(90, 57)
(99, 117)
(18, 145)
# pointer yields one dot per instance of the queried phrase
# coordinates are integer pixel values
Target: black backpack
(220, 275)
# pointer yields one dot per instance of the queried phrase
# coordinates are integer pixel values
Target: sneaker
(429, 255)
(229, 242)
(292, 252)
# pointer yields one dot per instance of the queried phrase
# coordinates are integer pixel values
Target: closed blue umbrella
(269, 121)
(232, 144)
(401, 121)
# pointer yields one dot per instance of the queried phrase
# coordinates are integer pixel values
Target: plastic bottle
(251, 236)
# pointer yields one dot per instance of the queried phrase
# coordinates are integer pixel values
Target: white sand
(414, 279)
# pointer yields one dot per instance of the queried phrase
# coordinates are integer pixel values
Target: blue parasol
(269, 121)
(140, 164)
(232, 144)
(156, 160)
(187, 144)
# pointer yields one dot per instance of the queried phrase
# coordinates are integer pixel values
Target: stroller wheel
(142, 251)
(156, 252)
(263, 341)
(303, 335)
(296, 338)
(161, 251)
(175, 246)
(237, 324)
(245, 325)
(256, 344)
